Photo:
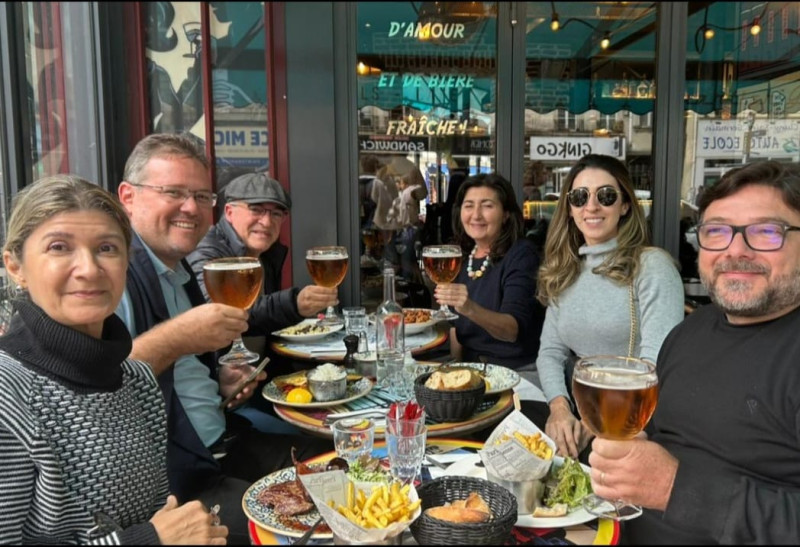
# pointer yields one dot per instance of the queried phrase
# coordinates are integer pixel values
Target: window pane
(583, 95)
(173, 66)
(62, 99)
(742, 97)
(426, 78)
(240, 89)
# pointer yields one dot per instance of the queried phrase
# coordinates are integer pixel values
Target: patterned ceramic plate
(500, 378)
(266, 518)
(286, 333)
(355, 390)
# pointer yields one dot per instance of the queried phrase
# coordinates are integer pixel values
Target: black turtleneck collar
(81, 362)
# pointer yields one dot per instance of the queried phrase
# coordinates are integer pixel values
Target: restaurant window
(238, 89)
(589, 88)
(62, 99)
(426, 86)
(742, 100)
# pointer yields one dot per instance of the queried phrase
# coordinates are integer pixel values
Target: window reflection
(426, 76)
(742, 97)
(589, 88)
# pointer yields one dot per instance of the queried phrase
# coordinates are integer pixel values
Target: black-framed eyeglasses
(762, 236)
(276, 215)
(606, 196)
(203, 198)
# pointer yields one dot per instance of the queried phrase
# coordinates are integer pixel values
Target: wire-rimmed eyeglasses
(761, 236)
(203, 198)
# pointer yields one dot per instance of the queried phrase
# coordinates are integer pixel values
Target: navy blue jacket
(190, 465)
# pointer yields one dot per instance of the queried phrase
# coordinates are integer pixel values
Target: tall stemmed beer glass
(328, 266)
(235, 281)
(442, 264)
(616, 397)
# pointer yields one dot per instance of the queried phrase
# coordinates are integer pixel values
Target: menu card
(511, 460)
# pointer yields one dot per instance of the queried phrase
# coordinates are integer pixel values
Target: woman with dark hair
(606, 291)
(494, 293)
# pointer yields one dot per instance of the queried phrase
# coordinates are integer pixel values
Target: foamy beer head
(442, 262)
(327, 265)
(235, 281)
(616, 396)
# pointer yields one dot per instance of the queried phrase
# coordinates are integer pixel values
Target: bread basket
(448, 406)
(431, 531)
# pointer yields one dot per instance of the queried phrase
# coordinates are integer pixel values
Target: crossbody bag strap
(632, 307)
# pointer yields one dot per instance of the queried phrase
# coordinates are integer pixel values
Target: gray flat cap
(257, 188)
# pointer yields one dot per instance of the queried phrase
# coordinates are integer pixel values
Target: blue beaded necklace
(486, 263)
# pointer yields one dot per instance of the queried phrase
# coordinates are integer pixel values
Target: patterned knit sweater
(82, 433)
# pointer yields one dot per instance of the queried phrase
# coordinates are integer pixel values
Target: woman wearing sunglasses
(606, 291)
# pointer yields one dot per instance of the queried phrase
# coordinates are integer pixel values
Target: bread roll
(457, 514)
(435, 381)
(475, 501)
(557, 510)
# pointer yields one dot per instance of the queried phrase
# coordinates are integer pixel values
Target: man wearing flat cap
(256, 206)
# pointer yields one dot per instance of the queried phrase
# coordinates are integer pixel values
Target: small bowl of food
(327, 382)
(365, 363)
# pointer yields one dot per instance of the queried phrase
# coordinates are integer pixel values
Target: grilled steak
(286, 498)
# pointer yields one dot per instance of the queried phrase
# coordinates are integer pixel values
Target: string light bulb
(709, 33)
(606, 41)
(554, 23)
(361, 68)
(756, 28)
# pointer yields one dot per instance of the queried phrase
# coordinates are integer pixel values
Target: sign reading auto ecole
(729, 138)
(574, 148)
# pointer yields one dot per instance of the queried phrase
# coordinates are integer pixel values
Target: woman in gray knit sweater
(605, 290)
(82, 427)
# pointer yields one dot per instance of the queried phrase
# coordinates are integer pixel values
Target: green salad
(367, 469)
(568, 484)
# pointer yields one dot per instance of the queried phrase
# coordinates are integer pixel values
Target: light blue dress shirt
(197, 391)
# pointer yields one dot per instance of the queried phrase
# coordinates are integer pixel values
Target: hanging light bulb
(709, 33)
(554, 23)
(606, 41)
(756, 28)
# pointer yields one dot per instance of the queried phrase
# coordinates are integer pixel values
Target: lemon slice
(299, 395)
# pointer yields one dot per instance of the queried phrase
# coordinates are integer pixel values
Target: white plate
(355, 390)
(466, 467)
(308, 337)
(500, 378)
(266, 518)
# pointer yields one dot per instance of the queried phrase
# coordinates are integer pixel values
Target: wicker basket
(448, 406)
(431, 531)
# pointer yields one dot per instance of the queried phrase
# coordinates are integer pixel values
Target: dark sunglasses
(606, 196)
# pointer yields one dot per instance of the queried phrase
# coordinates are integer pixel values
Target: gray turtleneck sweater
(592, 316)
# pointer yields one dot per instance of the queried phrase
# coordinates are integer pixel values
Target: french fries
(534, 443)
(386, 505)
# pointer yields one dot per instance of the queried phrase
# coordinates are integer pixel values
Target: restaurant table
(491, 410)
(331, 348)
(596, 532)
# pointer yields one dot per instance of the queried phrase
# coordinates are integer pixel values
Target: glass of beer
(442, 264)
(616, 397)
(328, 266)
(235, 281)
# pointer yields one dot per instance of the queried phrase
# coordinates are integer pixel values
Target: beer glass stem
(239, 354)
(331, 317)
